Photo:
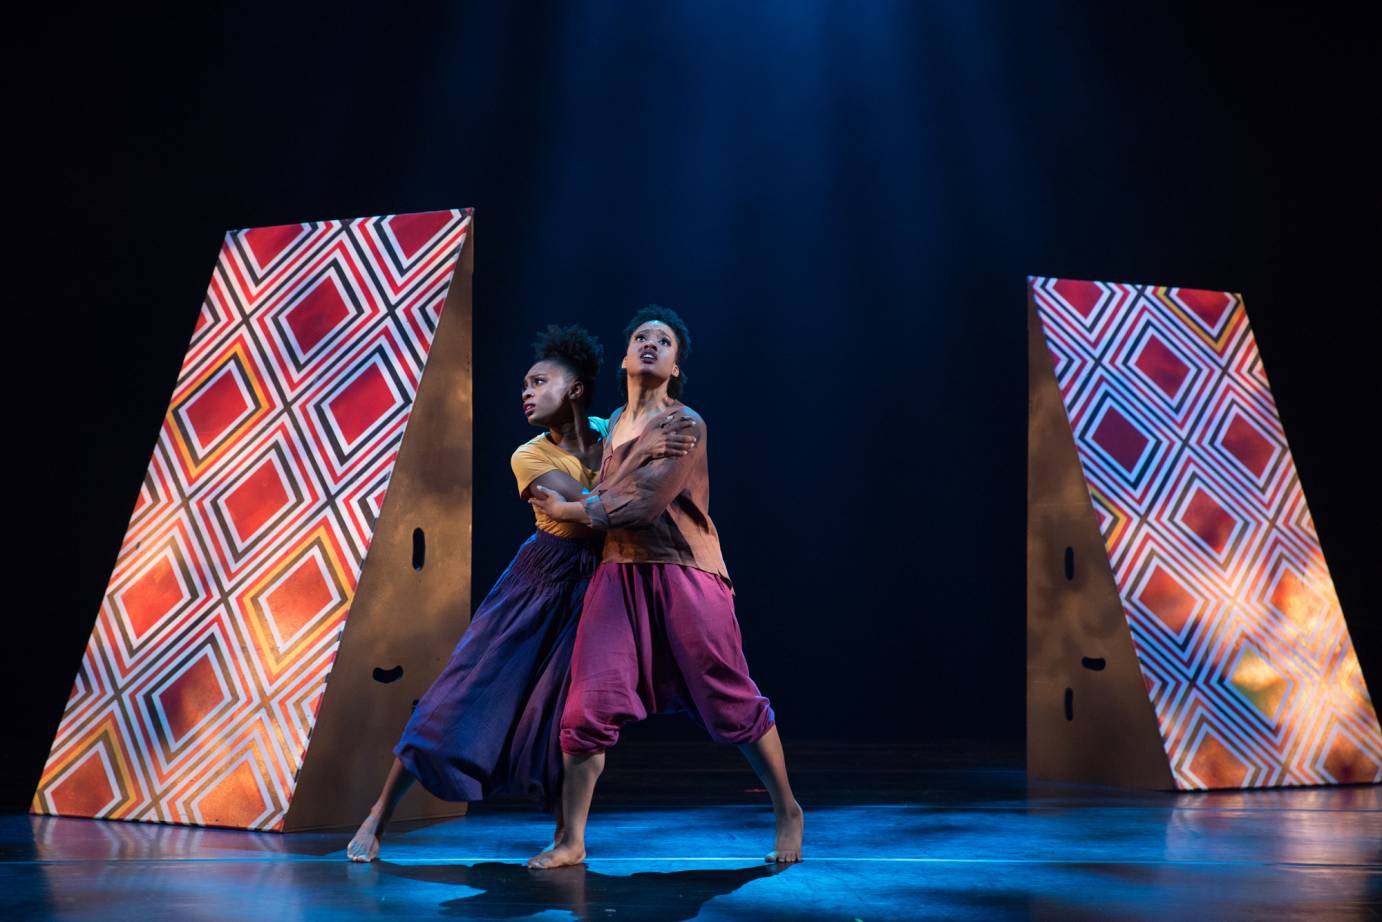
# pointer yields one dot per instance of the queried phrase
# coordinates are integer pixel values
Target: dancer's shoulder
(538, 451)
(683, 410)
(536, 457)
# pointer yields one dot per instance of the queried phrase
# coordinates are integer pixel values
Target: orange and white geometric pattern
(201, 682)
(1242, 644)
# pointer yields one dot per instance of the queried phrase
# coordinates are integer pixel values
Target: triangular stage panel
(297, 568)
(1182, 627)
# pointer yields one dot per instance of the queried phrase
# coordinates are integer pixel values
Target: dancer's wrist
(573, 512)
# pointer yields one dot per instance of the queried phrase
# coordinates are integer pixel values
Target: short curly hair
(575, 349)
(683, 336)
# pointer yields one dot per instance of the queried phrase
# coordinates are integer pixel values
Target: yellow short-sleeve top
(537, 456)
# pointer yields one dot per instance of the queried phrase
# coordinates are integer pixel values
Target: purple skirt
(491, 722)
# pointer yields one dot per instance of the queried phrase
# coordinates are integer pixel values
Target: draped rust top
(658, 510)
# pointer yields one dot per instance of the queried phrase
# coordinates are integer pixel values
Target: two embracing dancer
(618, 606)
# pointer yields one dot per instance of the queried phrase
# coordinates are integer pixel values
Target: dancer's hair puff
(574, 348)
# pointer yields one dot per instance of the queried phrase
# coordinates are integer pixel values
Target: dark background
(843, 200)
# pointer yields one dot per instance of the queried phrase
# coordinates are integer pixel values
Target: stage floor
(678, 833)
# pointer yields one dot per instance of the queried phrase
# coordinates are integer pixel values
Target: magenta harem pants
(653, 638)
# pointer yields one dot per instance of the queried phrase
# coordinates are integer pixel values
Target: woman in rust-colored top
(658, 631)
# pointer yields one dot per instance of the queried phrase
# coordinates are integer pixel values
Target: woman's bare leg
(765, 755)
(577, 791)
(365, 845)
(559, 834)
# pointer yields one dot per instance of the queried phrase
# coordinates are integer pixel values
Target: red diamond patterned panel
(1238, 632)
(206, 667)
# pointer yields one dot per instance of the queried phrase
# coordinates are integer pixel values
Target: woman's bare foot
(790, 826)
(561, 855)
(558, 836)
(365, 846)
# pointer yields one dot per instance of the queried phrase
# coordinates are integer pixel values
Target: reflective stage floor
(679, 831)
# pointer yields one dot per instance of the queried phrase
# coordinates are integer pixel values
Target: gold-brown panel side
(1084, 724)
(402, 616)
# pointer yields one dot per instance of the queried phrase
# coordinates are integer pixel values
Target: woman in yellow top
(490, 723)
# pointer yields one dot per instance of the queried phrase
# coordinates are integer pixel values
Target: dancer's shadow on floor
(512, 891)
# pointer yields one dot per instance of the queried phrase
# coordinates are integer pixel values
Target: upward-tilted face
(546, 389)
(652, 352)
